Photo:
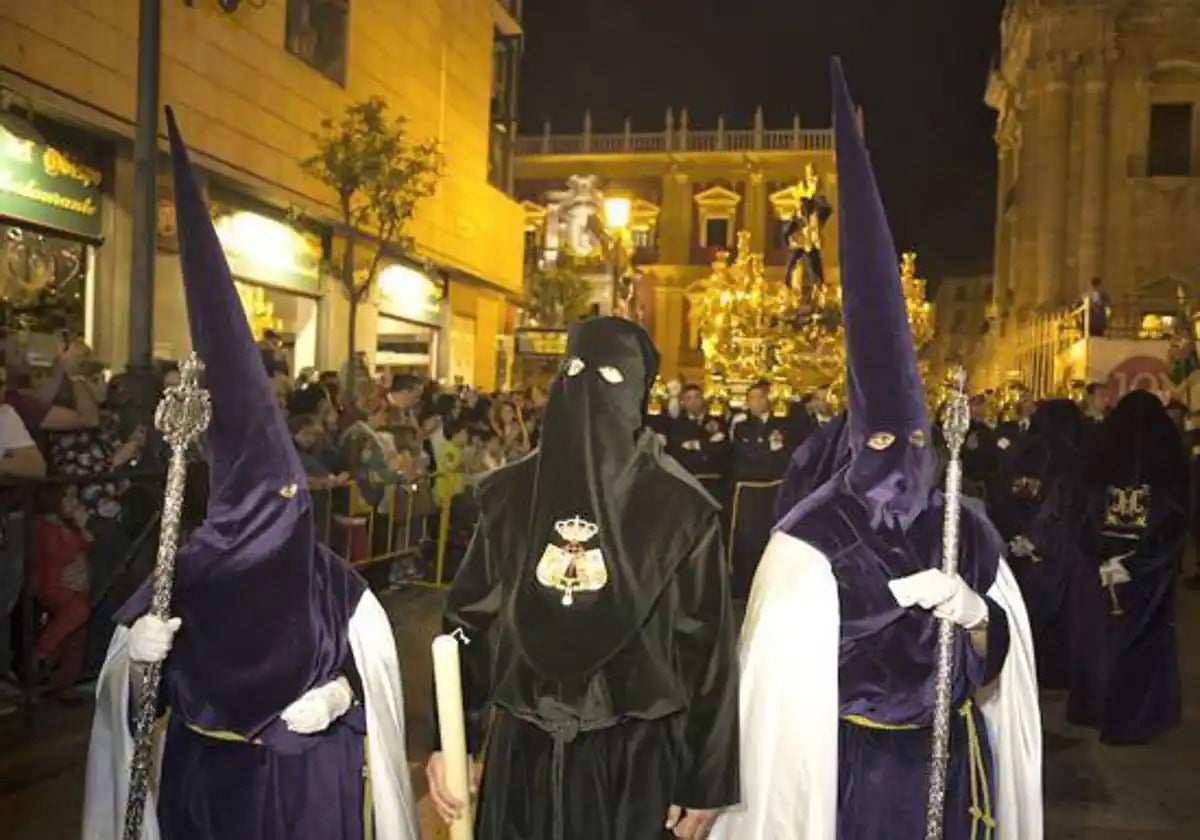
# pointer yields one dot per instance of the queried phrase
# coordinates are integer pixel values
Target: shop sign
(409, 293)
(42, 186)
(541, 342)
(269, 252)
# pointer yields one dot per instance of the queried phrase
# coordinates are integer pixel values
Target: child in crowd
(61, 586)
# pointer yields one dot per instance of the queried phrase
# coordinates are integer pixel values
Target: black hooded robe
(596, 603)
(654, 725)
(1125, 663)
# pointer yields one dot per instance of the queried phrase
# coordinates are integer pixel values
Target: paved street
(1094, 792)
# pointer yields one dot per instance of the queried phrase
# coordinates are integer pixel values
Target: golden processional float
(754, 327)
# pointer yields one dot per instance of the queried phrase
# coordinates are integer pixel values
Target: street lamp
(616, 213)
(616, 220)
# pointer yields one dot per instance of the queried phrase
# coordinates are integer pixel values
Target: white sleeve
(789, 700)
(13, 434)
(374, 649)
(1010, 707)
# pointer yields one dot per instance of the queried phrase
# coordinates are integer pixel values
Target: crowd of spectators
(81, 482)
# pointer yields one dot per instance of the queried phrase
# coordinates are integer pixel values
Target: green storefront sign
(269, 252)
(541, 342)
(39, 185)
(410, 294)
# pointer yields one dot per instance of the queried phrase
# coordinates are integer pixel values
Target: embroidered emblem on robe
(1128, 507)
(573, 567)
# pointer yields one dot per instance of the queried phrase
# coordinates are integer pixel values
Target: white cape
(789, 706)
(373, 645)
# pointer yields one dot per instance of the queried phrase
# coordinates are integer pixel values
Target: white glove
(319, 707)
(948, 597)
(150, 639)
(1113, 572)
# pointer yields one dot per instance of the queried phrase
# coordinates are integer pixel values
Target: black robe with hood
(613, 701)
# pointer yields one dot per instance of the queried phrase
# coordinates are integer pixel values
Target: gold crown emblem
(576, 529)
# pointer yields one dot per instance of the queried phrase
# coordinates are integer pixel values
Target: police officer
(700, 441)
(762, 446)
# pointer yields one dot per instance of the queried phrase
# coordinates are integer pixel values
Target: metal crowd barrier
(373, 526)
(392, 522)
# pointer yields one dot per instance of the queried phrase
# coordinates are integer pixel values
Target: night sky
(918, 68)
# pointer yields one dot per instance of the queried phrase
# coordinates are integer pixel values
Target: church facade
(1098, 143)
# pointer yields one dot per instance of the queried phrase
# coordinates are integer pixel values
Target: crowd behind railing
(392, 464)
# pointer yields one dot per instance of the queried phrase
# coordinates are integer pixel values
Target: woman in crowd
(509, 426)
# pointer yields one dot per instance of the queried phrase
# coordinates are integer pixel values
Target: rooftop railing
(676, 136)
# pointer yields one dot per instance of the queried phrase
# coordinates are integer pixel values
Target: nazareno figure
(1040, 498)
(280, 673)
(839, 645)
(595, 601)
(1125, 663)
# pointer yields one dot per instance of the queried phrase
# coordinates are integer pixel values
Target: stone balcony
(678, 137)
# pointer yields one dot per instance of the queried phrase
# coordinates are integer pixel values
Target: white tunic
(789, 706)
(374, 648)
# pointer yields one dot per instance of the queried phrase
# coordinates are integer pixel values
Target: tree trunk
(348, 286)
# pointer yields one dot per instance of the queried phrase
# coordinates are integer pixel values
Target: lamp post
(142, 386)
(616, 221)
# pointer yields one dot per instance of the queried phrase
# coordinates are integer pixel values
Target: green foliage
(558, 295)
(379, 175)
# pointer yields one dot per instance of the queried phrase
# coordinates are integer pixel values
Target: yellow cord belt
(983, 823)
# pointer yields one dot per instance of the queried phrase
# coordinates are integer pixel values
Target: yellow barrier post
(443, 538)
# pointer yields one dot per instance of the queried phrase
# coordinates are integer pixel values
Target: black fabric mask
(588, 462)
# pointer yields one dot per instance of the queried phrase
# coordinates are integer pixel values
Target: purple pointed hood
(265, 607)
(892, 466)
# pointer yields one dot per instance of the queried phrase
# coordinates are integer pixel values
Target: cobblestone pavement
(1093, 792)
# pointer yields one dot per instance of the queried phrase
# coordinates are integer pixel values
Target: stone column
(667, 307)
(753, 211)
(1008, 146)
(675, 220)
(1093, 189)
(1025, 221)
(1051, 184)
(1004, 233)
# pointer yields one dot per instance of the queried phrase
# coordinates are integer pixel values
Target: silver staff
(955, 424)
(183, 414)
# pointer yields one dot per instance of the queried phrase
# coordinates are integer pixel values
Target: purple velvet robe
(886, 673)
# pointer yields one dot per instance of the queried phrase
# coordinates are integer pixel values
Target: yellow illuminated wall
(248, 107)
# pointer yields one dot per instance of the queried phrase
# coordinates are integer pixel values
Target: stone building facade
(249, 89)
(960, 306)
(1098, 138)
(690, 191)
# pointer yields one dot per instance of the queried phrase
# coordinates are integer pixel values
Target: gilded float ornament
(754, 327)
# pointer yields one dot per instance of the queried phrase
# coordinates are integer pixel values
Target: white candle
(448, 681)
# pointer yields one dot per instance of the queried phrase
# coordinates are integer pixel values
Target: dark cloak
(1044, 495)
(1125, 663)
(610, 709)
